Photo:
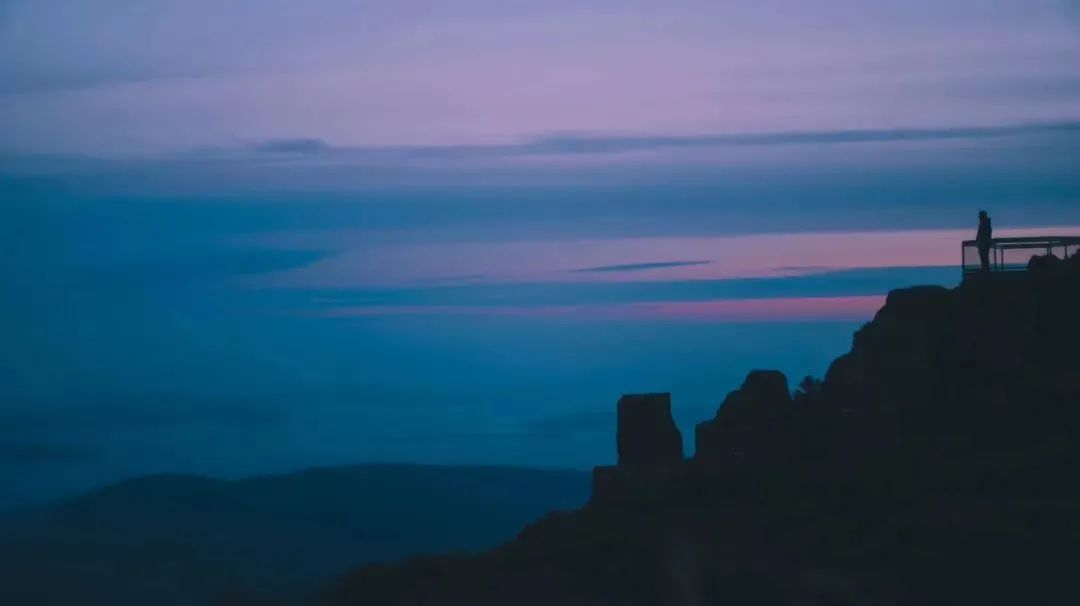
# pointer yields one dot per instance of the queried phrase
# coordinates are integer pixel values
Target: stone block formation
(651, 468)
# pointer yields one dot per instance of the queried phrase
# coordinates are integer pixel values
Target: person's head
(983, 216)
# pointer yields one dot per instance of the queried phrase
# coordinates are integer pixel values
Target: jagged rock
(906, 329)
(646, 431)
(916, 298)
(951, 424)
(761, 388)
(744, 418)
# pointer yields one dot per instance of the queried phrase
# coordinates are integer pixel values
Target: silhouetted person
(982, 239)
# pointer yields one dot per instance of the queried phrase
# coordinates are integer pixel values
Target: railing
(1014, 254)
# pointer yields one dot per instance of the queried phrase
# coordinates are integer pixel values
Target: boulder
(646, 431)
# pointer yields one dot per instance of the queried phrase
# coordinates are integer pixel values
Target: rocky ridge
(934, 464)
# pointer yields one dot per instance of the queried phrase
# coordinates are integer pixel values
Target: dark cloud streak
(292, 146)
(834, 283)
(589, 144)
(584, 144)
(638, 266)
(33, 453)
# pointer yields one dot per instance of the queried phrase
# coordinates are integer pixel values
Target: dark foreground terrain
(936, 463)
(171, 540)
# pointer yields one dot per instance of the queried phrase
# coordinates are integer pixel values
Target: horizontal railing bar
(1033, 240)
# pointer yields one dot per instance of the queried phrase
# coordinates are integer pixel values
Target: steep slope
(936, 464)
(189, 540)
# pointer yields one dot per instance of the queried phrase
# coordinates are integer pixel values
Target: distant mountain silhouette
(174, 539)
(936, 463)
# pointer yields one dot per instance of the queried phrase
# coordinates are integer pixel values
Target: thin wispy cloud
(35, 453)
(586, 144)
(292, 146)
(637, 266)
(600, 144)
(1024, 150)
(560, 427)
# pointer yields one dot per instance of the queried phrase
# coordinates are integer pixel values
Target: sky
(247, 236)
(123, 77)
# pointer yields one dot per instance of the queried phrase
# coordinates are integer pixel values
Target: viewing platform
(1016, 254)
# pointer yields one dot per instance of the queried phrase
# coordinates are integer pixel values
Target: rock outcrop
(746, 417)
(935, 465)
(646, 433)
(650, 466)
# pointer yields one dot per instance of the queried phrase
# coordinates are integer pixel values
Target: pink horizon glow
(724, 257)
(787, 309)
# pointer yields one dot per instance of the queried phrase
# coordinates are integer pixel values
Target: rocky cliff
(934, 464)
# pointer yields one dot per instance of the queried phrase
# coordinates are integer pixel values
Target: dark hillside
(175, 539)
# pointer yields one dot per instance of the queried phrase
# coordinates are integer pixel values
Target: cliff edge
(935, 463)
